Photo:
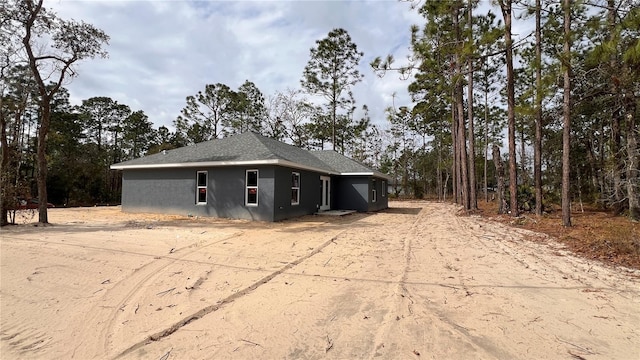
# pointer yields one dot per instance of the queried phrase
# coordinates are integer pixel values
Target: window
(374, 195)
(295, 188)
(251, 198)
(384, 188)
(201, 187)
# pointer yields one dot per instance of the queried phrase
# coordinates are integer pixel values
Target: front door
(325, 193)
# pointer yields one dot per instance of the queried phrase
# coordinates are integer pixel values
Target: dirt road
(415, 281)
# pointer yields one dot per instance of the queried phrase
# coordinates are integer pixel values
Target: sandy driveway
(414, 281)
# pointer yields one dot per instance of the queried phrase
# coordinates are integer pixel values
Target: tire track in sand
(403, 301)
(215, 307)
(132, 285)
(401, 298)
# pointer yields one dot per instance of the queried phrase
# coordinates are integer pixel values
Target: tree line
(569, 90)
(61, 154)
(565, 97)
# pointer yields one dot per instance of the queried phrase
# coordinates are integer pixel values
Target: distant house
(249, 176)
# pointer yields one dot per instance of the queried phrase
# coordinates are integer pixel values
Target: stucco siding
(173, 191)
(382, 198)
(351, 193)
(309, 193)
(158, 191)
(356, 193)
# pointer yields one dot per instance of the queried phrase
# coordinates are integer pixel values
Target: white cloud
(162, 51)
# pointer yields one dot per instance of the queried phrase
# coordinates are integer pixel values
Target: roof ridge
(248, 147)
(256, 136)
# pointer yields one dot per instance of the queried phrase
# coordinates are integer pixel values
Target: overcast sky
(163, 51)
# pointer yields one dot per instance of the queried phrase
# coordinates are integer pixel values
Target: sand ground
(412, 282)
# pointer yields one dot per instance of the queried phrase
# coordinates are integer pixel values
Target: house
(249, 176)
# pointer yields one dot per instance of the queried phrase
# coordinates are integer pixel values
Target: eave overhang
(204, 164)
(277, 162)
(369, 173)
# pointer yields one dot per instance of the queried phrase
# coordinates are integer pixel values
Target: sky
(160, 52)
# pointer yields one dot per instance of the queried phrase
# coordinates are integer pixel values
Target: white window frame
(374, 192)
(384, 188)
(247, 187)
(295, 188)
(200, 187)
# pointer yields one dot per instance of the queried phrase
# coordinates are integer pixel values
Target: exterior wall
(355, 193)
(309, 193)
(351, 193)
(382, 201)
(173, 191)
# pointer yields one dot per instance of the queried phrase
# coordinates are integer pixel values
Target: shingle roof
(249, 148)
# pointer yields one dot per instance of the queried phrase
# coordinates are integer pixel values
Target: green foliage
(220, 111)
(103, 118)
(205, 114)
(82, 143)
(247, 110)
(51, 47)
(138, 135)
(163, 140)
(414, 145)
(331, 72)
(526, 198)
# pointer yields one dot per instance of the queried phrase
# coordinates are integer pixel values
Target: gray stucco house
(249, 176)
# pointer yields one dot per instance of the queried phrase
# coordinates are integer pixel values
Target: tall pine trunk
(616, 131)
(497, 161)
(334, 105)
(454, 145)
(440, 189)
(462, 147)
(486, 143)
(505, 7)
(566, 114)
(459, 101)
(523, 157)
(4, 171)
(537, 144)
(633, 163)
(473, 197)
